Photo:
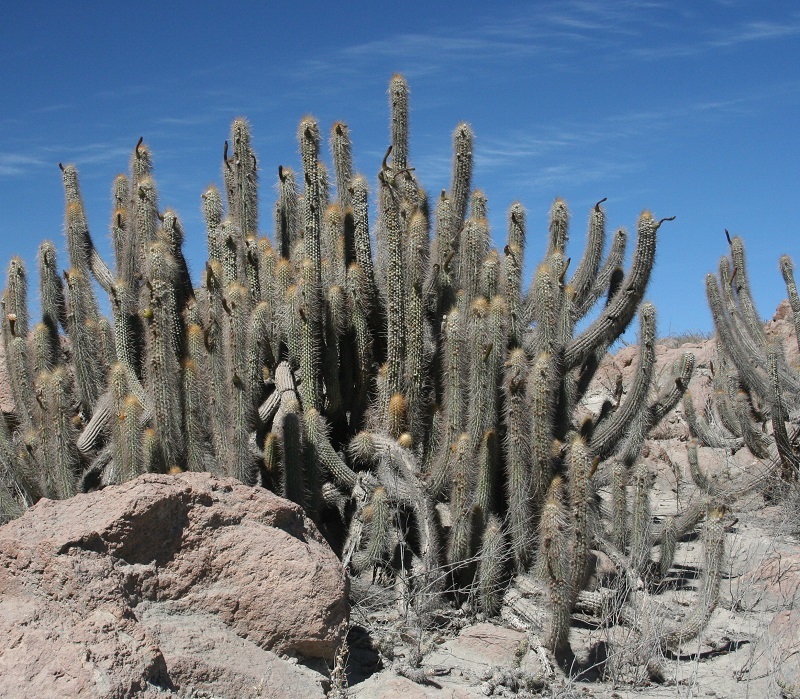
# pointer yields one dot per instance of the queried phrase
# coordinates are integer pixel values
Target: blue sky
(686, 109)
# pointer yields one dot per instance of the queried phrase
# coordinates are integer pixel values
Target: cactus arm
(790, 460)
(541, 389)
(545, 304)
(242, 406)
(317, 434)
(755, 440)
(583, 280)
(163, 369)
(454, 376)
(517, 458)
(286, 212)
(581, 465)
(665, 401)
(461, 181)
(753, 324)
(82, 253)
(51, 293)
(444, 249)
(619, 505)
(398, 102)
(701, 430)
(395, 287)
(559, 228)
(357, 289)
(335, 254)
(259, 357)
(554, 562)
(217, 351)
(311, 327)
(290, 434)
(726, 385)
(126, 427)
(244, 204)
(640, 520)
(308, 134)
(482, 387)
(787, 270)
(377, 517)
(611, 430)
(491, 567)
(18, 359)
(82, 327)
(233, 253)
(615, 317)
(488, 459)
(212, 213)
(416, 252)
(342, 153)
(94, 429)
(361, 241)
(196, 418)
(145, 225)
(461, 494)
(473, 246)
(708, 594)
(62, 459)
(601, 282)
(171, 233)
(511, 283)
(15, 301)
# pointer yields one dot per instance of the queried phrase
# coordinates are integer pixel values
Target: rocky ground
(751, 647)
(94, 602)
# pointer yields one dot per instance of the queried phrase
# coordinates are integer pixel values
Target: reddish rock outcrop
(166, 582)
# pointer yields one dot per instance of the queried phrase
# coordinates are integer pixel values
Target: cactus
(420, 407)
(760, 381)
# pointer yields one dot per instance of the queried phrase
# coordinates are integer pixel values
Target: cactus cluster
(754, 385)
(394, 377)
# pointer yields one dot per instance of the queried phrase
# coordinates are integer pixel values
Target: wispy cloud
(16, 164)
(482, 42)
(30, 162)
(592, 151)
(757, 31)
(62, 107)
(705, 40)
(561, 32)
(123, 92)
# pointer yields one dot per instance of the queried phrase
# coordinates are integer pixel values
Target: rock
(166, 582)
(383, 686)
(204, 653)
(773, 584)
(623, 366)
(458, 668)
(482, 646)
(782, 313)
(782, 644)
(387, 686)
(782, 327)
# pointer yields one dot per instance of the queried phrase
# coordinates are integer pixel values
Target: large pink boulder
(163, 582)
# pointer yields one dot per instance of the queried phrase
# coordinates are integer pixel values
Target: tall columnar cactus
(404, 388)
(758, 383)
